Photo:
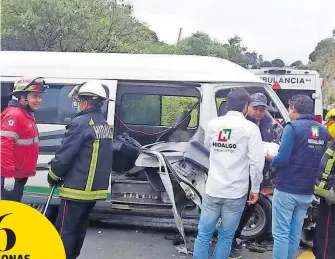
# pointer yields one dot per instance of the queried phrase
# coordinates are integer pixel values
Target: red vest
(19, 143)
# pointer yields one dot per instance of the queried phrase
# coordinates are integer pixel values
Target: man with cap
(303, 143)
(19, 137)
(256, 113)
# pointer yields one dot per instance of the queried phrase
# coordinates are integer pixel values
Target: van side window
(173, 106)
(156, 110)
(6, 88)
(141, 109)
(57, 107)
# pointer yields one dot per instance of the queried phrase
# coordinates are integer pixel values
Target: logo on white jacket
(224, 135)
(222, 144)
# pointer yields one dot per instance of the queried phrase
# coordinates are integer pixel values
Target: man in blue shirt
(303, 143)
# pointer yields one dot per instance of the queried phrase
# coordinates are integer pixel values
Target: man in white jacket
(236, 153)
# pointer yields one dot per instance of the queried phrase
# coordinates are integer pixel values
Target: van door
(55, 113)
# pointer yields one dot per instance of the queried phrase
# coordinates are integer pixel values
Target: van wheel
(258, 227)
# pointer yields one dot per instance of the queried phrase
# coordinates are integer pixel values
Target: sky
(286, 29)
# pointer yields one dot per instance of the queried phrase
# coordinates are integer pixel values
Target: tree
(252, 58)
(324, 47)
(277, 63)
(236, 51)
(260, 59)
(197, 44)
(72, 25)
(297, 63)
(266, 64)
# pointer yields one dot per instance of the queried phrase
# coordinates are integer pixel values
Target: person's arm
(10, 133)
(285, 149)
(256, 159)
(272, 133)
(207, 140)
(65, 155)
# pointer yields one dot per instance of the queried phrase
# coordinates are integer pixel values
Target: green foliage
(72, 25)
(324, 47)
(277, 63)
(110, 26)
(201, 44)
(173, 106)
(323, 60)
(140, 109)
(252, 58)
(266, 64)
(297, 64)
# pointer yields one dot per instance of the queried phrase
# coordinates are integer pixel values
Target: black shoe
(237, 247)
(234, 254)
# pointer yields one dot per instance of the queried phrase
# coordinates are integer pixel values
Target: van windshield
(221, 96)
(286, 94)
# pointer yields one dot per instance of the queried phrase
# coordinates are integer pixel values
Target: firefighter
(81, 167)
(19, 137)
(325, 223)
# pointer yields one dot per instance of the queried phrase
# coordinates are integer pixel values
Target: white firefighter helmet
(91, 88)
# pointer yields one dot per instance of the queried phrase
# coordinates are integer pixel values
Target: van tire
(260, 223)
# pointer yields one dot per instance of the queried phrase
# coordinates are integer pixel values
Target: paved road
(127, 243)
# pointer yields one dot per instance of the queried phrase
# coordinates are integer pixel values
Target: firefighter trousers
(17, 193)
(71, 223)
(324, 242)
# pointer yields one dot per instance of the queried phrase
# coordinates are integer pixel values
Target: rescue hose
(49, 199)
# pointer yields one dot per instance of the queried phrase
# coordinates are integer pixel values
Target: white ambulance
(287, 82)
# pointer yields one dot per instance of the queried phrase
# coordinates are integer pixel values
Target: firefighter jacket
(19, 142)
(326, 178)
(84, 160)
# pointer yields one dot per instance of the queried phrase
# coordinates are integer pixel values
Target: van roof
(289, 71)
(120, 66)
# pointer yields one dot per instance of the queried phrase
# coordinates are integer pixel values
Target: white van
(287, 82)
(154, 94)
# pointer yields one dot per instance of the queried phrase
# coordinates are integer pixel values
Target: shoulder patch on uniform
(11, 123)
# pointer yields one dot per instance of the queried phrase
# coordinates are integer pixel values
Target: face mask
(78, 108)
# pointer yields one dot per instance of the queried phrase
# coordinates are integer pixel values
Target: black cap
(258, 99)
(302, 103)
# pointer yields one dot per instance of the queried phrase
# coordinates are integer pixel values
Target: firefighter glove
(9, 184)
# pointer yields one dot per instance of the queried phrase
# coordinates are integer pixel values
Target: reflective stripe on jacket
(19, 142)
(84, 159)
(326, 178)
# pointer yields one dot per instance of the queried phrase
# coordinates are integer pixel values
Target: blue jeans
(230, 211)
(288, 212)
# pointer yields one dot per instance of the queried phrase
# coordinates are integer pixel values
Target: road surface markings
(306, 255)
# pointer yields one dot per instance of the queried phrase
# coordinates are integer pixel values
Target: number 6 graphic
(11, 238)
